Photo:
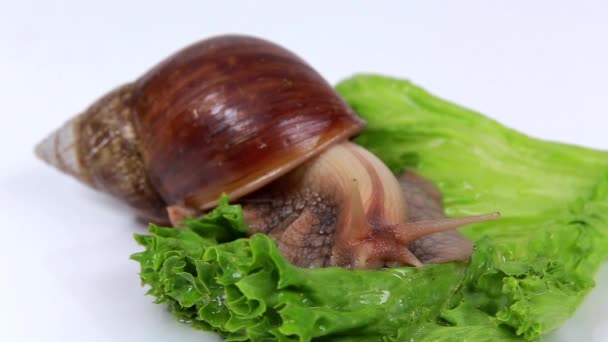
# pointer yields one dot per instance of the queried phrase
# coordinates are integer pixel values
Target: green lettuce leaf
(529, 272)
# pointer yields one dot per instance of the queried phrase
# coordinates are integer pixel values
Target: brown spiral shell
(226, 115)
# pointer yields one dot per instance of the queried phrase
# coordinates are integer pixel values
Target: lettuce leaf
(529, 272)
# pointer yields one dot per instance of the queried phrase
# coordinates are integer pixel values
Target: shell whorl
(228, 114)
(100, 147)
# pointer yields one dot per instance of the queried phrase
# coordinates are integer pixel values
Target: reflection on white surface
(70, 264)
(110, 292)
(589, 322)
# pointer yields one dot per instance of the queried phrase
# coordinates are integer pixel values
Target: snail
(245, 117)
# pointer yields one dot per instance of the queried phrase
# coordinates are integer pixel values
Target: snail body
(245, 117)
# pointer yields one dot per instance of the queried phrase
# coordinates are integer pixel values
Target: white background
(540, 67)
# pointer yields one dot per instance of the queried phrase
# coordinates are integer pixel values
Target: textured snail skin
(345, 208)
(225, 115)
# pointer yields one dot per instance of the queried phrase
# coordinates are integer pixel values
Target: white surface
(540, 67)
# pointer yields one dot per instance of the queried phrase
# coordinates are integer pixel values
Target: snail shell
(228, 115)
